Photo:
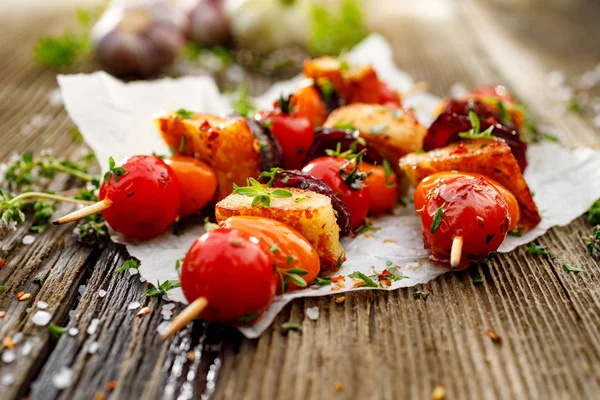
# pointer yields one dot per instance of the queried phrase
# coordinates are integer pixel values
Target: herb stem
(47, 196)
(73, 172)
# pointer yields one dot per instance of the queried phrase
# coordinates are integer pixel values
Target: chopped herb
(367, 226)
(478, 279)
(460, 324)
(129, 264)
(178, 266)
(592, 242)
(378, 129)
(344, 126)
(270, 175)
(113, 170)
(246, 319)
(296, 279)
(290, 260)
(185, 114)
(322, 281)
(419, 151)
(388, 174)
(183, 143)
(593, 213)
(332, 33)
(327, 90)
(259, 194)
(162, 288)
(515, 232)
(502, 111)
(474, 132)
(570, 268)
(209, 226)
(437, 219)
(300, 199)
(92, 231)
(241, 102)
(550, 138)
(421, 293)
(3, 288)
(537, 249)
(368, 280)
(395, 274)
(287, 326)
(56, 331)
(76, 135)
(274, 248)
(38, 281)
(575, 106)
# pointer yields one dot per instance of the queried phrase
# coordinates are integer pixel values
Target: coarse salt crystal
(161, 327)
(102, 293)
(28, 310)
(312, 313)
(28, 239)
(7, 379)
(73, 331)
(168, 306)
(17, 337)
(133, 271)
(42, 305)
(81, 289)
(134, 305)
(93, 348)
(142, 279)
(72, 314)
(63, 378)
(93, 326)
(26, 348)
(54, 98)
(9, 356)
(41, 318)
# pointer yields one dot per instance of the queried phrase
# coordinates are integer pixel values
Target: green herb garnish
(185, 114)
(346, 126)
(570, 268)
(477, 279)
(56, 331)
(129, 264)
(368, 281)
(322, 281)
(291, 326)
(421, 293)
(592, 242)
(437, 219)
(246, 319)
(113, 170)
(537, 249)
(162, 288)
(474, 132)
(259, 194)
(593, 213)
(241, 102)
(366, 226)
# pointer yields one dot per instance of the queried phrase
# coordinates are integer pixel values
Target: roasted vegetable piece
(382, 186)
(197, 181)
(144, 197)
(296, 261)
(229, 146)
(308, 212)
(454, 119)
(328, 139)
(501, 101)
(308, 103)
(271, 154)
(490, 157)
(233, 271)
(469, 208)
(300, 180)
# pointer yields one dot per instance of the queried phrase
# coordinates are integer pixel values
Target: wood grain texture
(379, 345)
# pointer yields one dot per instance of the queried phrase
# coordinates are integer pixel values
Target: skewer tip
(185, 317)
(83, 212)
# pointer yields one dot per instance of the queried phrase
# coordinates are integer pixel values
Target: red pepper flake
(460, 149)
(428, 287)
(337, 278)
(384, 277)
(2, 263)
(110, 385)
(493, 335)
(351, 234)
(143, 311)
(205, 126)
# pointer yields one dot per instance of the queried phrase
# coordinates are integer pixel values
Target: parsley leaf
(570, 268)
(129, 264)
(113, 170)
(162, 288)
(537, 249)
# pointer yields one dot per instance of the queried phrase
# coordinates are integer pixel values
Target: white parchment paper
(116, 119)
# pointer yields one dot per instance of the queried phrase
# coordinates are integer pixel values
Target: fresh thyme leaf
(274, 248)
(395, 274)
(387, 168)
(550, 138)
(299, 271)
(296, 279)
(300, 199)
(478, 279)
(178, 266)
(419, 151)
(76, 135)
(289, 260)
(437, 219)
(183, 143)
(281, 193)
(92, 231)
(502, 111)
(331, 33)
(421, 293)
(2, 288)
(287, 326)
(575, 106)
(113, 170)
(270, 175)
(570, 268)
(56, 331)
(367, 226)
(322, 281)
(259, 193)
(474, 132)
(537, 249)
(162, 288)
(185, 114)
(593, 213)
(460, 324)
(592, 242)
(129, 264)
(246, 319)
(368, 280)
(344, 126)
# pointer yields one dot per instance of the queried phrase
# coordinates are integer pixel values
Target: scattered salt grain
(73, 331)
(17, 337)
(9, 356)
(133, 271)
(54, 98)
(7, 379)
(63, 378)
(93, 348)
(168, 306)
(28, 239)
(26, 348)
(28, 310)
(81, 289)
(313, 313)
(134, 305)
(42, 305)
(165, 297)
(102, 293)
(166, 317)
(93, 326)
(41, 318)
(72, 314)
(162, 326)
(555, 79)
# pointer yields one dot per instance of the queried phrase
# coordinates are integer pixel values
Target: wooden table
(374, 345)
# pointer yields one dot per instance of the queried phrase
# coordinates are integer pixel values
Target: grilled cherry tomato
(349, 189)
(144, 199)
(466, 207)
(307, 102)
(197, 181)
(291, 251)
(382, 187)
(499, 92)
(388, 96)
(233, 271)
(429, 183)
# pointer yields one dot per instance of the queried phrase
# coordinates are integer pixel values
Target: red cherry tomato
(294, 133)
(429, 183)
(499, 92)
(382, 187)
(472, 209)
(307, 102)
(144, 200)
(356, 199)
(388, 96)
(197, 181)
(289, 248)
(233, 271)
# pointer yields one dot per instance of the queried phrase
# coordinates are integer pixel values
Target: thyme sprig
(259, 194)
(474, 132)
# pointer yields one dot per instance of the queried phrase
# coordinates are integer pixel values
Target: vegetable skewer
(185, 317)
(83, 212)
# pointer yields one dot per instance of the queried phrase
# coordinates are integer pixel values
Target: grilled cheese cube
(227, 145)
(489, 157)
(312, 216)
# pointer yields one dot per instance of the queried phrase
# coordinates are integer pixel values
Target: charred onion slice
(454, 119)
(297, 179)
(271, 155)
(328, 138)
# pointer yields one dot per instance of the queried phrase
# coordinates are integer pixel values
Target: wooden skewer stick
(186, 316)
(83, 212)
(456, 251)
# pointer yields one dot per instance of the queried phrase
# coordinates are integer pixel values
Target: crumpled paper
(116, 119)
